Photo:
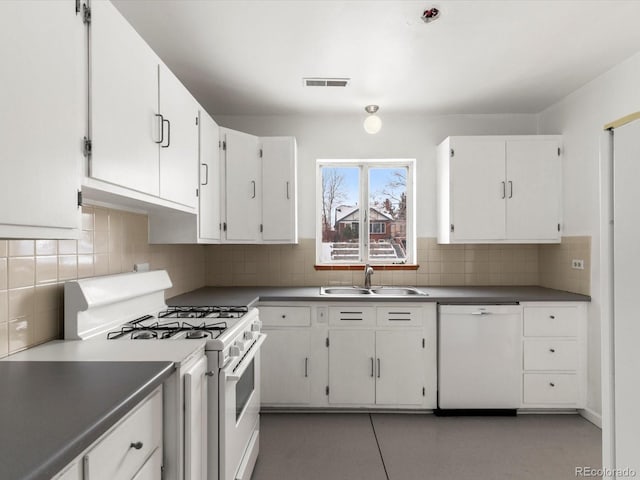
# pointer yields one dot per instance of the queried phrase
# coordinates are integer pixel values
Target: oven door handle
(234, 376)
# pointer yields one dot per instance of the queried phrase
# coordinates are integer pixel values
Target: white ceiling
(499, 56)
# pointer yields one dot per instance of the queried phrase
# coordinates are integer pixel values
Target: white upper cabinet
(42, 118)
(499, 189)
(242, 186)
(209, 212)
(125, 122)
(179, 150)
(279, 212)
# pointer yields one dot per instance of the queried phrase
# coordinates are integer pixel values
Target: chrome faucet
(368, 271)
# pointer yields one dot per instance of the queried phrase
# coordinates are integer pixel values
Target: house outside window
(387, 188)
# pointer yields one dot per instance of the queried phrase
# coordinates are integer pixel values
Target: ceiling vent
(326, 82)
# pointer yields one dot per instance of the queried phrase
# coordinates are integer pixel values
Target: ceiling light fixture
(372, 124)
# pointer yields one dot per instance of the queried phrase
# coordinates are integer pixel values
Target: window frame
(364, 166)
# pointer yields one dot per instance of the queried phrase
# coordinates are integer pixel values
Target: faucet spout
(368, 271)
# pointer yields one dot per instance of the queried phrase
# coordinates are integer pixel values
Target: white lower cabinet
(152, 466)
(71, 472)
(554, 355)
(123, 451)
(352, 357)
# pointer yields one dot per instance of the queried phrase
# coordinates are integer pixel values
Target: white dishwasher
(479, 356)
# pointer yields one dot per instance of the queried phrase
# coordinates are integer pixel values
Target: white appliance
(479, 356)
(130, 308)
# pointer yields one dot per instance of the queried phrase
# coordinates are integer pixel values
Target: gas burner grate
(145, 332)
(203, 312)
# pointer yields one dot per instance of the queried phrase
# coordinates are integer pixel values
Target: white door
(626, 324)
(195, 421)
(286, 367)
(209, 213)
(124, 103)
(352, 367)
(534, 170)
(42, 115)
(179, 151)
(279, 189)
(400, 365)
(478, 189)
(242, 186)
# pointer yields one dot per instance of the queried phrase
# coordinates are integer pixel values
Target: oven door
(239, 410)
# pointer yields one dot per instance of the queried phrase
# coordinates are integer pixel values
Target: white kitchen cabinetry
(554, 355)
(144, 136)
(289, 364)
(279, 190)
(384, 356)
(42, 118)
(71, 472)
(242, 193)
(499, 189)
(125, 449)
(195, 421)
(167, 227)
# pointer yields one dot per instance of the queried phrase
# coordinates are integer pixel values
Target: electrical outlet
(577, 264)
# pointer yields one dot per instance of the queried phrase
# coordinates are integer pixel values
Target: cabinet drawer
(399, 316)
(352, 315)
(550, 355)
(560, 389)
(115, 456)
(285, 316)
(551, 321)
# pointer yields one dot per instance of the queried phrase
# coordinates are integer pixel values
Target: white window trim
(364, 164)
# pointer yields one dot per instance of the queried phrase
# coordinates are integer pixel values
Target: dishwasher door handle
(480, 312)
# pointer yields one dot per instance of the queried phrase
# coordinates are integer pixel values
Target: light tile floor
(359, 446)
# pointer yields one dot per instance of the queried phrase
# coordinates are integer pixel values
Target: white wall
(580, 118)
(402, 136)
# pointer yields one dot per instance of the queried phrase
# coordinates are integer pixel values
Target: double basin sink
(373, 291)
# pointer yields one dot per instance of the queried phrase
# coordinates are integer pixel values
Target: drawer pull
(136, 445)
(552, 384)
(552, 350)
(552, 317)
(284, 316)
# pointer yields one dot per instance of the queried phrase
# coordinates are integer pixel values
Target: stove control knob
(248, 335)
(255, 326)
(234, 351)
(239, 344)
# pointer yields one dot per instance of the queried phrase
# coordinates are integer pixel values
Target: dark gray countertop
(51, 411)
(250, 296)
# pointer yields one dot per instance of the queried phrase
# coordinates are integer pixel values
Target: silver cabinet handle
(480, 313)
(504, 189)
(552, 384)
(510, 189)
(161, 128)
(552, 350)
(168, 133)
(378, 368)
(206, 169)
(288, 197)
(306, 366)
(253, 182)
(136, 445)
(209, 374)
(552, 317)
(372, 372)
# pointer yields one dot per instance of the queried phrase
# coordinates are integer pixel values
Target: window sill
(361, 267)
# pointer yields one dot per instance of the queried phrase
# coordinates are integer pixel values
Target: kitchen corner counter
(51, 412)
(250, 296)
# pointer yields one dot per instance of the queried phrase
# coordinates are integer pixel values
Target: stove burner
(144, 335)
(197, 334)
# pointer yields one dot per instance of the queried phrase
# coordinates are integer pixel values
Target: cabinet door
(533, 190)
(242, 188)
(124, 103)
(352, 367)
(286, 366)
(400, 367)
(209, 213)
(195, 421)
(279, 212)
(179, 151)
(152, 469)
(42, 116)
(478, 189)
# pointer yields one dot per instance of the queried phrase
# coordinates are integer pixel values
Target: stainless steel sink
(374, 291)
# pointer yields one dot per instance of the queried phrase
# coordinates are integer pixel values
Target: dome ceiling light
(372, 124)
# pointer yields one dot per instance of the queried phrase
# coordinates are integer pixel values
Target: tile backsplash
(451, 265)
(33, 272)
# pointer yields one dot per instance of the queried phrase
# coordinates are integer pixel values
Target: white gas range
(131, 308)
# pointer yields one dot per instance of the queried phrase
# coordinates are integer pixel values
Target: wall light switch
(577, 264)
